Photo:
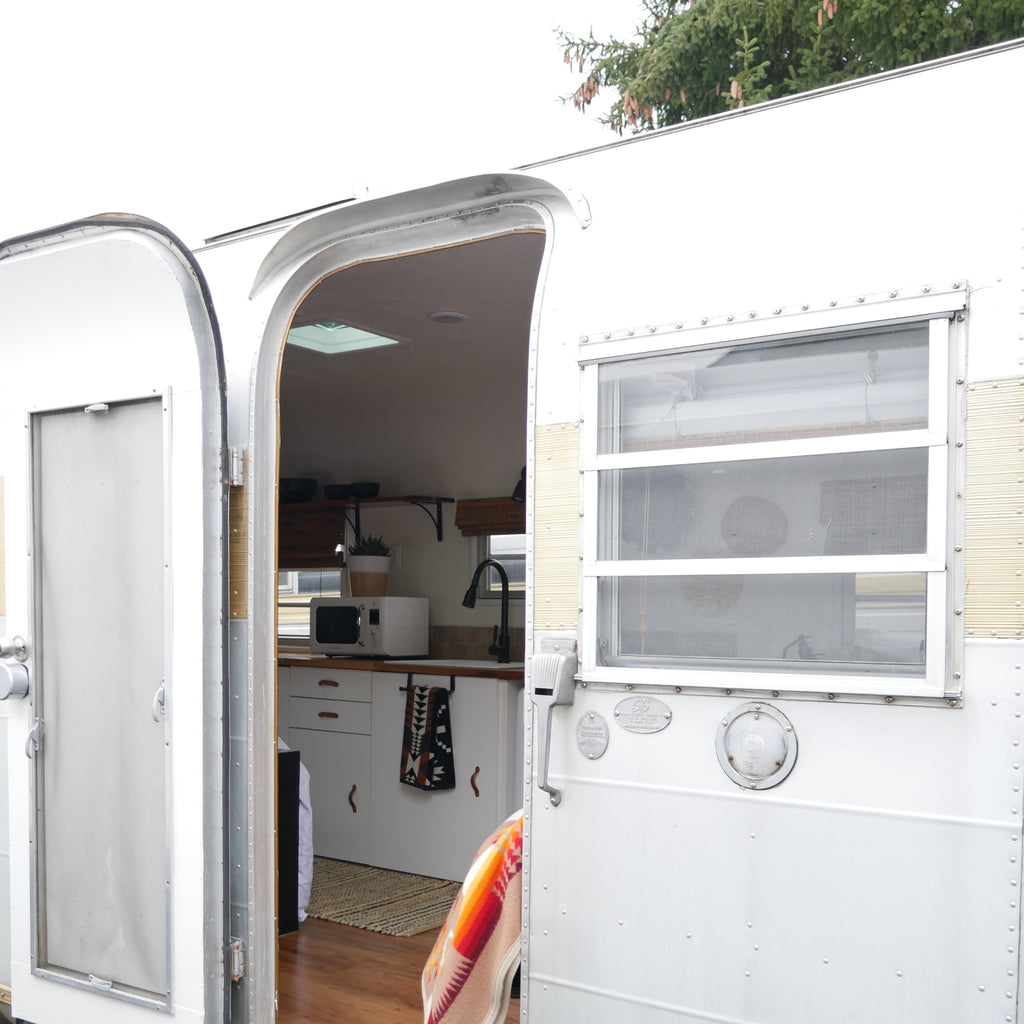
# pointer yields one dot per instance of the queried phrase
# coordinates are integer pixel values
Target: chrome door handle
(553, 683)
(14, 679)
(16, 647)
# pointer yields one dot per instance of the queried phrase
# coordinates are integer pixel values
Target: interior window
(510, 550)
(295, 589)
(774, 507)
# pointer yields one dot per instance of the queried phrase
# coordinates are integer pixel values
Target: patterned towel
(468, 978)
(428, 761)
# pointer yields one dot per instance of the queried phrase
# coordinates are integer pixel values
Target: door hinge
(236, 467)
(236, 957)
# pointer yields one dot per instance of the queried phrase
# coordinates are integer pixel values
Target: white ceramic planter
(368, 575)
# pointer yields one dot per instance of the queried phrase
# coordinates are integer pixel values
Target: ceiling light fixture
(331, 337)
(447, 316)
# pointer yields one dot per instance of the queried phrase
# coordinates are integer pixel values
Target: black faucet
(500, 646)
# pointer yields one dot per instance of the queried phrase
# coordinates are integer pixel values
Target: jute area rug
(390, 902)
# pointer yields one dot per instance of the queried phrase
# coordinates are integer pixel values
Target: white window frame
(940, 562)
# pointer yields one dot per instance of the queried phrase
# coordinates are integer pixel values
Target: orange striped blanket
(469, 974)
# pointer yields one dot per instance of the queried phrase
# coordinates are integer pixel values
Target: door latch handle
(35, 734)
(553, 675)
(158, 703)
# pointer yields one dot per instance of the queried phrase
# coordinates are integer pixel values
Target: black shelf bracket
(351, 509)
(355, 525)
(435, 516)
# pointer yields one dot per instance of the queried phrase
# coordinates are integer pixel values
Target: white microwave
(369, 627)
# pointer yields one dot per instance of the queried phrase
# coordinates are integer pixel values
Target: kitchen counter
(488, 669)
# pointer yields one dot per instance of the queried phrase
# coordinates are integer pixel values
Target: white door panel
(881, 877)
(111, 443)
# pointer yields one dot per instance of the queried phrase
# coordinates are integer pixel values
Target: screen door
(103, 875)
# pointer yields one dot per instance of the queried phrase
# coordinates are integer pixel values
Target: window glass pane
(868, 382)
(868, 622)
(859, 503)
(295, 589)
(510, 550)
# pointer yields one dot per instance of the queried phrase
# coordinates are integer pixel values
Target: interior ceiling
(444, 412)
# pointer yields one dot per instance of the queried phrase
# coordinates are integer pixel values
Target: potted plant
(369, 559)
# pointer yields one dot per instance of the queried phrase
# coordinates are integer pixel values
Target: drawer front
(331, 684)
(329, 715)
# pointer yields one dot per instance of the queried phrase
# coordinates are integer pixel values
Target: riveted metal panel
(994, 509)
(556, 526)
(879, 882)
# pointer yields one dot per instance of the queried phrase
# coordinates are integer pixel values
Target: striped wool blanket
(469, 974)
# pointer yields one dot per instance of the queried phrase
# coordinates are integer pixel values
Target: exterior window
(773, 508)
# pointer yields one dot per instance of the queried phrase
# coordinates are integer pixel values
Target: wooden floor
(329, 973)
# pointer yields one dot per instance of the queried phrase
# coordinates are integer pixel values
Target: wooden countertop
(302, 658)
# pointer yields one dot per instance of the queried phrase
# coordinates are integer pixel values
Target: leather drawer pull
(328, 714)
(329, 682)
(472, 781)
(351, 800)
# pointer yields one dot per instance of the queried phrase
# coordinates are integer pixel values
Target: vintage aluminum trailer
(775, 452)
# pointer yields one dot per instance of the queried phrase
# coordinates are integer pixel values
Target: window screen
(773, 507)
(103, 829)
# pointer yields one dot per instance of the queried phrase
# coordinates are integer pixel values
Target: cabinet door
(339, 791)
(437, 833)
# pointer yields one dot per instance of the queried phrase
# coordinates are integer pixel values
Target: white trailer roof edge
(785, 101)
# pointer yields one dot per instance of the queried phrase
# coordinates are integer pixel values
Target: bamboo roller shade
(483, 517)
(307, 538)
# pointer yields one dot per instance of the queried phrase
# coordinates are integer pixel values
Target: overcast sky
(209, 115)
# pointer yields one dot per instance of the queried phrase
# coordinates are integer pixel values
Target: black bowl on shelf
(293, 489)
(364, 490)
(337, 492)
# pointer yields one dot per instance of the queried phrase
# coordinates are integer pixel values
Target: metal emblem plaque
(591, 735)
(642, 714)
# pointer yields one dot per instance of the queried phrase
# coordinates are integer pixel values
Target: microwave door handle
(359, 626)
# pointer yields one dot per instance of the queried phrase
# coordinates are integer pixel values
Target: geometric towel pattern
(468, 976)
(428, 761)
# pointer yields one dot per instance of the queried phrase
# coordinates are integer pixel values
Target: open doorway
(435, 407)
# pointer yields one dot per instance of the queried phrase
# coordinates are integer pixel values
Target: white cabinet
(437, 832)
(347, 725)
(329, 716)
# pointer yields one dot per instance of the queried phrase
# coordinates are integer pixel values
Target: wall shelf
(308, 531)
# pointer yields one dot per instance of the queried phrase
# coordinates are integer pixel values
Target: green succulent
(369, 546)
